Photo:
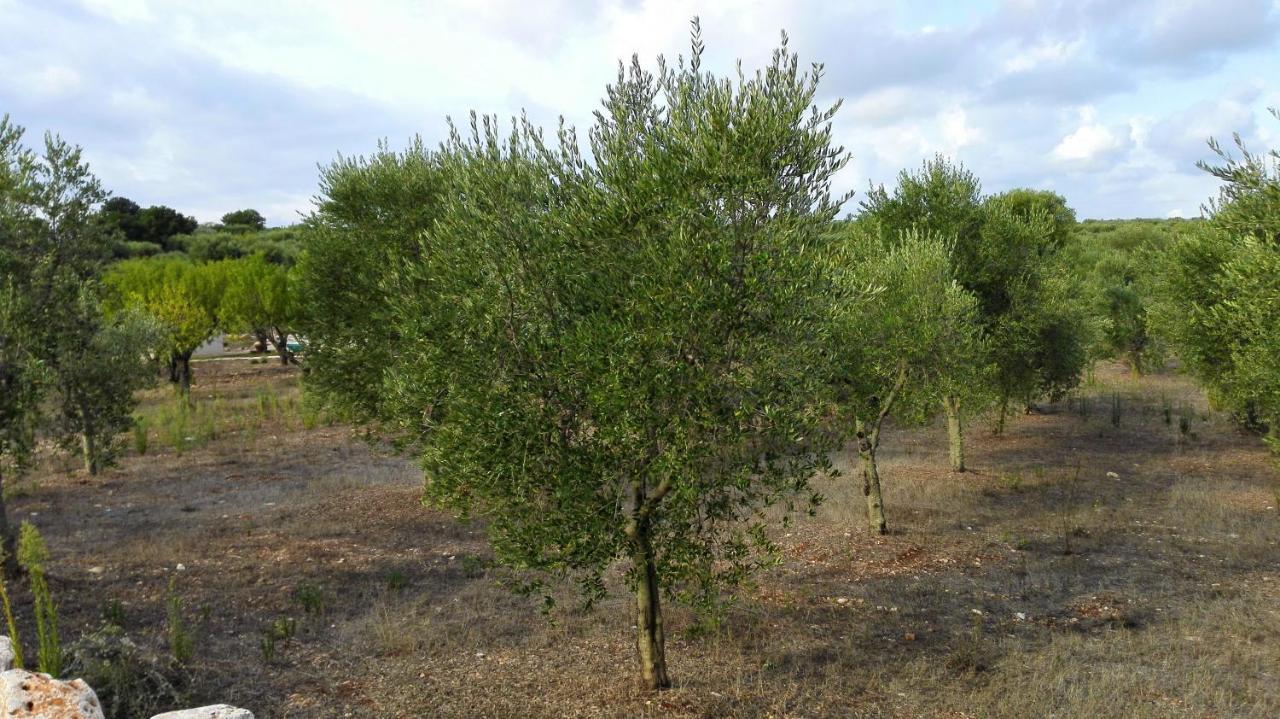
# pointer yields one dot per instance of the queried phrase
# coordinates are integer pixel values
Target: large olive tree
(620, 356)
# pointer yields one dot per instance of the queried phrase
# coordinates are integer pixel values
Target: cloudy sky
(214, 106)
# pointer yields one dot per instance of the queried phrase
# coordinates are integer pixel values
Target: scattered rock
(1113, 475)
(215, 711)
(6, 654)
(39, 696)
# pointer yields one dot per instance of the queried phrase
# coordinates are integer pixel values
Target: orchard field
(642, 419)
(1036, 584)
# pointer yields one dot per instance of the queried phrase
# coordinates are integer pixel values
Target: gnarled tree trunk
(955, 432)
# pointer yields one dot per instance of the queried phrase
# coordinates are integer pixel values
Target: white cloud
(217, 106)
(50, 82)
(1042, 54)
(1089, 143)
(121, 11)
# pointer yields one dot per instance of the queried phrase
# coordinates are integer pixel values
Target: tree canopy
(621, 357)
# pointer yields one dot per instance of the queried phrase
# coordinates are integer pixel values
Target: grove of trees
(640, 346)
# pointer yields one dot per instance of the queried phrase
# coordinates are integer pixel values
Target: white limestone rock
(6, 653)
(28, 695)
(216, 711)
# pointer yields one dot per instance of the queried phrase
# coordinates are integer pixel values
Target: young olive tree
(1003, 250)
(617, 358)
(259, 297)
(912, 335)
(54, 354)
(95, 382)
(1216, 291)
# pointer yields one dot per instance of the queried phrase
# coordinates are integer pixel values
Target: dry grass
(1026, 587)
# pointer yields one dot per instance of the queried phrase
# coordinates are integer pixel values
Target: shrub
(32, 556)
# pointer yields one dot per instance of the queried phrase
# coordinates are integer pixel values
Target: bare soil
(1080, 570)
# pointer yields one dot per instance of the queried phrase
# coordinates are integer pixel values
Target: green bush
(32, 556)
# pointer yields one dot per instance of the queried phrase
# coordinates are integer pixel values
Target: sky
(220, 105)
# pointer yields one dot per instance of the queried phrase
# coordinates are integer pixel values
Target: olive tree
(95, 382)
(259, 298)
(1216, 291)
(616, 357)
(183, 297)
(1002, 249)
(912, 335)
(52, 246)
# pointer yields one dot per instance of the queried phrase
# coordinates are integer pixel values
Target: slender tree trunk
(1002, 416)
(90, 452)
(88, 440)
(650, 640)
(7, 539)
(955, 432)
(184, 375)
(173, 369)
(871, 480)
(1135, 364)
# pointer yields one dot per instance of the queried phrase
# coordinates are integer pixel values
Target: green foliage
(1003, 249)
(137, 228)
(128, 680)
(184, 298)
(278, 631)
(182, 644)
(617, 357)
(278, 245)
(32, 556)
(141, 430)
(1216, 292)
(244, 220)
(10, 624)
(370, 215)
(96, 378)
(310, 597)
(50, 252)
(261, 295)
(904, 311)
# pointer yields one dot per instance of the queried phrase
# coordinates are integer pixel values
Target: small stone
(181, 567)
(97, 570)
(215, 711)
(1113, 475)
(6, 654)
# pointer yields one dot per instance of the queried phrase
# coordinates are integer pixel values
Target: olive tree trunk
(868, 437)
(650, 640)
(183, 363)
(88, 439)
(871, 479)
(280, 339)
(955, 432)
